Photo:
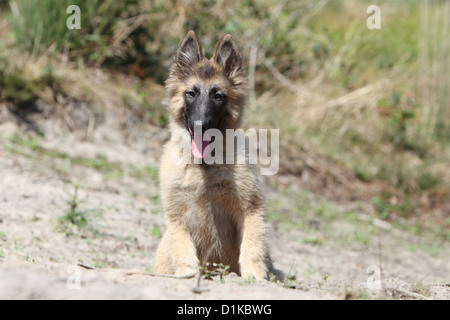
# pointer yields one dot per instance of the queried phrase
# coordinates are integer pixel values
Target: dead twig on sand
(151, 274)
(85, 266)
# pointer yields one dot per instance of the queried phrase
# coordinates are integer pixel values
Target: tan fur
(214, 213)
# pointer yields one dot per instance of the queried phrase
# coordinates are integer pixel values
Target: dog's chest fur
(214, 200)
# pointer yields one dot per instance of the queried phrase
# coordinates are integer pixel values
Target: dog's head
(208, 91)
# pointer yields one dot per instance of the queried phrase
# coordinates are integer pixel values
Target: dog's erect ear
(189, 53)
(228, 56)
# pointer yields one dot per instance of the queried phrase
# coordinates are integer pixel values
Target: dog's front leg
(254, 255)
(183, 251)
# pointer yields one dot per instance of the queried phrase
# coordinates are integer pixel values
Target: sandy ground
(125, 223)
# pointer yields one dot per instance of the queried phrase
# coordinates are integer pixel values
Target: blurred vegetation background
(372, 102)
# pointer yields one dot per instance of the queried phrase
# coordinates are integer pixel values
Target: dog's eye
(219, 96)
(190, 93)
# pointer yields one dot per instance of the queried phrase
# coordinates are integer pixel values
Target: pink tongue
(195, 148)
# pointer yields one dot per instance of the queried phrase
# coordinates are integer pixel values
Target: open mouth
(199, 143)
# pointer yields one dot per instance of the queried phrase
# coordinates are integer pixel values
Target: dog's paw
(251, 269)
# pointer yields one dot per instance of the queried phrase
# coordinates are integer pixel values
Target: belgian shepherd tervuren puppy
(214, 212)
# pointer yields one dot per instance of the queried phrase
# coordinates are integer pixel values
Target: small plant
(156, 231)
(75, 217)
(315, 240)
(382, 208)
(213, 269)
(289, 279)
(273, 278)
(421, 288)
